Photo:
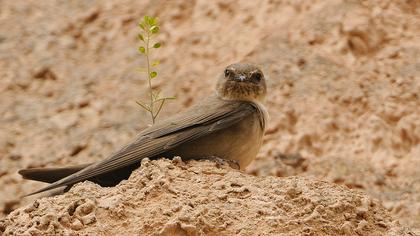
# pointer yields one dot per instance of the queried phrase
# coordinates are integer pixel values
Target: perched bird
(228, 125)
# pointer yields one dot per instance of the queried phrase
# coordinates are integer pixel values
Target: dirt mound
(199, 198)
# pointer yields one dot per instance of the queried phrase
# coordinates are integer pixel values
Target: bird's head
(243, 82)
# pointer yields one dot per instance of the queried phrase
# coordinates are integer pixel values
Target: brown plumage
(228, 125)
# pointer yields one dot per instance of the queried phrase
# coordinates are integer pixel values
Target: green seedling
(149, 29)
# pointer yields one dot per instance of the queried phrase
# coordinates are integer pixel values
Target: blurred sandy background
(344, 81)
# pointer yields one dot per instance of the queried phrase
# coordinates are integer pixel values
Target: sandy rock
(198, 198)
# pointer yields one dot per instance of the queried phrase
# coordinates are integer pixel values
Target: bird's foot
(220, 161)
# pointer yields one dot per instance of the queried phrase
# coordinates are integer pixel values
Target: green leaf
(142, 26)
(142, 50)
(140, 36)
(154, 29)
(153, 74)
(147, 19)
(144, 106)
(152, 21)
(157, 45)
(173, 97)
(165, 98)
(160, 108)
(155, 63)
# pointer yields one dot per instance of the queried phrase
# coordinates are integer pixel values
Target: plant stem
(149, 77)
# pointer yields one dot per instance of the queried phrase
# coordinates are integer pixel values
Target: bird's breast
(240, 142)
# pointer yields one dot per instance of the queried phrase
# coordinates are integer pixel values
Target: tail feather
(50, 175)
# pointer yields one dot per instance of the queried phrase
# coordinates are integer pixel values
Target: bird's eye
(257, 76)
(227, 73)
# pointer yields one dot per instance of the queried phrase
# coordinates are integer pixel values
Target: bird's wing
(202, 120)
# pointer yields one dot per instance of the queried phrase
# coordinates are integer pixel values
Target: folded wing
(204, 119)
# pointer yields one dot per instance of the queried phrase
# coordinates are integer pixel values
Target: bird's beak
(240, 78)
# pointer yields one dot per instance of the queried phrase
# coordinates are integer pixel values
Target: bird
(228, 124)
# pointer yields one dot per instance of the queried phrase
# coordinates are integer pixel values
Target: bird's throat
(240, 92)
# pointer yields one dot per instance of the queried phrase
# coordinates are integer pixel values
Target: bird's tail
(50, 175)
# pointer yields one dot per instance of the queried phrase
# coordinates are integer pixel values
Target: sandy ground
(344, 79)
(173, 198)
